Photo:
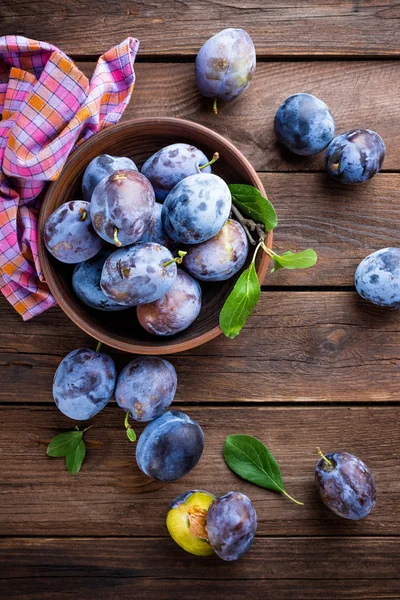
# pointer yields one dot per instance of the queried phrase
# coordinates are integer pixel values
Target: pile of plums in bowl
(143, 254)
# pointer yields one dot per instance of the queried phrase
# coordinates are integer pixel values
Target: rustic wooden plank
(305, 27)
(359, 94)
(110, 497)
(117, 588)
(302, 346)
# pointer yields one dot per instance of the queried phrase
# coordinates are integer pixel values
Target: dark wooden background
(315, 365)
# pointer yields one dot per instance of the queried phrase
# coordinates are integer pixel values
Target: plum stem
(116, 240)
(249, 226)
(99, 345)
(129, 430)
(292, 499)
(328, 462)
(210, 162)
(215, 109)
(178, 259)
(83, 214)
(84, 431)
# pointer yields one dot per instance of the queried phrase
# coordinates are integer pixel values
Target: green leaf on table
(74, 459)
(254, 205)
(249, 458)
(295, 260)
(240, 303)
(63, 443)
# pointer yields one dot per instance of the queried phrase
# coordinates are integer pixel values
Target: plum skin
(171, 164)
(196, 209)
(347, 488)
(176, 310)
(225, 64)
(124, 200)
(84, 383)
(304, 124)
(146, 387)
(377, 278)
(355, 156)
(156, 232)
(86, 283)
(231, 525)
(69, 234)
(220, 257)
(136, 275)
(101, 167)
(170, 446)
(187, 522)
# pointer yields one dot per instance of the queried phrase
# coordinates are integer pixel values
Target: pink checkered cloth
(48, 107)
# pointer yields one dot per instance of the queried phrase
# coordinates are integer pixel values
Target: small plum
(220, 257)
(86, 283)
(377, 278)
(225, 65)
(69, 235)
(138, 274)
(304, 124)
(345, 485)
(84, 383)
(187, 522)
(171, 164)
(231, 525)
(122, 206)
(146, 387)
(101, 167)
(197, 208)
(174, 311)
(355, 156)
(170, 446)
(156, 232)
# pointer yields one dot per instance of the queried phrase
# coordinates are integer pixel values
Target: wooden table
(314, 365)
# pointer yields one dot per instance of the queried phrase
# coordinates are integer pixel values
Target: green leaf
(249, 458)
(74, 459)
(63, 443)
(240, 303)
(295, 260)
(254, 205)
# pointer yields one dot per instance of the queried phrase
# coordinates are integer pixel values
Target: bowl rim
(55, 289)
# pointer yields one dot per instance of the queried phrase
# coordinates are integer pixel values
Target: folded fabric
(48, 107)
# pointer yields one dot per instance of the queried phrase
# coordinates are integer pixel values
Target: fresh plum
(377, 278)
(187, 522)
(101, 167)
(355, 156)
(156, 232)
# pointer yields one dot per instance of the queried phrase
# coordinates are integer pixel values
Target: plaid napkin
(48, 107)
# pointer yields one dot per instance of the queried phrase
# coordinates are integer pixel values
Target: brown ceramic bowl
(139, 139)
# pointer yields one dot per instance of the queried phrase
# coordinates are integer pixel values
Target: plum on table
(146, 387)
(220, 257)
(355, 156)
(170, 446)
(187, 522)
(69, 235)
(122, 206)
(138, 274)
(84, 383)
(304, 124)
(174, 311)
(377, 278)
(171, 164)
(225, 65)
(345, 485)
(196, 209)
(101, 167)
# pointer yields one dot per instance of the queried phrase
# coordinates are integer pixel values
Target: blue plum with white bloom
(156, 232)
(225, 65)
(304, 124)
(197, 208)
(101, 167)
(138, 274)
(86, 283)
(146, 387)
(231, 525)
(346, 485)
(355, 156)
(170, 446)
(171, 164)
(377, 278)
(84, 383)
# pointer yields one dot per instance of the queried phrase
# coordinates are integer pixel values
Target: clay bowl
(139, 139)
